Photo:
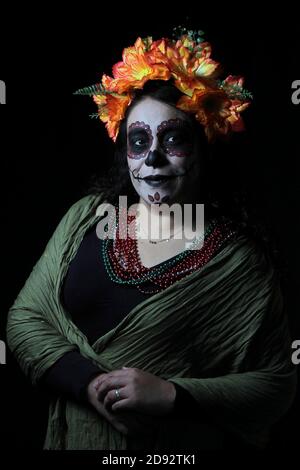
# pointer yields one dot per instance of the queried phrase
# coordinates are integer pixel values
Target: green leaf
(97, 89)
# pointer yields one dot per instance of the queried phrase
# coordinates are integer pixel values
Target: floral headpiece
(216, 104)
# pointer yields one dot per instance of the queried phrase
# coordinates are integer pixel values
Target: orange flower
(101, 101)
(111, 110)
(216, 104)
(191, 65)
(235, 119)
(211, 109)
(215, 111)
(233, 81)
(157, 51)
(136, 68)
(107, 82)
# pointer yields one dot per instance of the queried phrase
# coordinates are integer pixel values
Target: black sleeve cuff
(70, 375)
(185, 405)
(184, 402)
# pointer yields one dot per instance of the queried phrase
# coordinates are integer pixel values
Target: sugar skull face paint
(176, 137)
(162, 152)
(139, 141)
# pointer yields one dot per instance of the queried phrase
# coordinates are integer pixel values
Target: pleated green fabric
(221, 333)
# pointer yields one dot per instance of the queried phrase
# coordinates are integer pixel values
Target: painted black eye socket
(138, 142)
(176, 138)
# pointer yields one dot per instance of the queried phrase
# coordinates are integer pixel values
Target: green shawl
(220, 333)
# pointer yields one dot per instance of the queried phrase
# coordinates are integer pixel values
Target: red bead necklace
(123, 263)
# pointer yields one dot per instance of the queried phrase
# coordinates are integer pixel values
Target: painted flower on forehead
(187, 63)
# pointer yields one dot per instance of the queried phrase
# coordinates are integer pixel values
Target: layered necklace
(124, 266)
(155, 242)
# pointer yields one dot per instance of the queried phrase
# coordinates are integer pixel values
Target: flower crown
(186, 61)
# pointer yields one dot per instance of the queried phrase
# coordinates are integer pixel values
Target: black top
(96, 305)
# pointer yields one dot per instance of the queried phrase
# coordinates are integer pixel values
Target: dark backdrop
(50, 147)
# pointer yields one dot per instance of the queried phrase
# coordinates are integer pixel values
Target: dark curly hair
(223, 192)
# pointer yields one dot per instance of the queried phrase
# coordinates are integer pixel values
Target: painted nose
(155, 159)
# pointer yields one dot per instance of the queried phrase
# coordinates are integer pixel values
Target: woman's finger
(125, 372)
(122, 405)
(118, 373)
(110, 384)
(99, 380)
(116, 394)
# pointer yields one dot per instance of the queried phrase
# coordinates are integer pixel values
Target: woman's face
(162, 153)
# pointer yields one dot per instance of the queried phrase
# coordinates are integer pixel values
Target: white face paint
(162, 143)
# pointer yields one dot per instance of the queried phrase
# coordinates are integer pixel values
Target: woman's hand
(138, 391)
(128, 423)
(92, 395)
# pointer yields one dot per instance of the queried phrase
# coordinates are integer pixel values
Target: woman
(148, 344)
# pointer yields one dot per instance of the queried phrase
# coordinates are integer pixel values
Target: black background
(50, 147)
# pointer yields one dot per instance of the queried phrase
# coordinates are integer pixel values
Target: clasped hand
(142, 399)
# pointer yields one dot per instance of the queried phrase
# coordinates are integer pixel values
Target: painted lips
(158, 180)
